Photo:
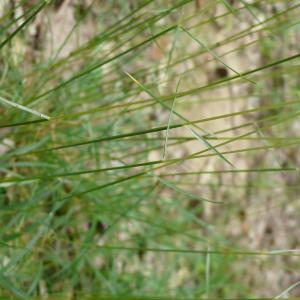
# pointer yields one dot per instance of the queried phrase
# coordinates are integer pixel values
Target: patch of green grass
(104, 193)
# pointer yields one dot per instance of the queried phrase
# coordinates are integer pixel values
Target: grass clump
(151, 153)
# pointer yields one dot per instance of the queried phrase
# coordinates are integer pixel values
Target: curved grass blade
(201, 138)
(169, 121)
